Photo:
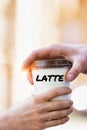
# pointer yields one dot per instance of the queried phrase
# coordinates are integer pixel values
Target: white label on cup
(49, 78)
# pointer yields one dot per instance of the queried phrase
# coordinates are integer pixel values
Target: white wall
(28, 22)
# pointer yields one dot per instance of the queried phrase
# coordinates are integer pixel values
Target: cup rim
(52, 63)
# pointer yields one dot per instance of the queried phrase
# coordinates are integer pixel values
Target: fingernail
(70, 77)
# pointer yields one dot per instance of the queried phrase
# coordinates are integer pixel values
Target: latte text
(50, 78)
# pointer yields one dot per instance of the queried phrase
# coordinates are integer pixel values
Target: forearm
(3, 121)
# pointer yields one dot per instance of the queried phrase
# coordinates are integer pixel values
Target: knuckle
(36, 99)
(67, 111)
(40, 108)
(60, 105)
(63, 113)
(58, 114)
(37, 110)
(56, 105)
(56, 122)
(55, 93)
(35, 53)
(59, 122)
(63, 120)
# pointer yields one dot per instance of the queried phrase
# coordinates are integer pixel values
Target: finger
(35, 55)
(57, 114)
(50, 52)
(74, 71)
(49, 95)
(57, 105)
(29, 77)
(56, 122)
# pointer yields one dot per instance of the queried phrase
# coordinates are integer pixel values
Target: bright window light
(27, 38)
(79, 96)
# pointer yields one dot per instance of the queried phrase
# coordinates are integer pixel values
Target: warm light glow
(70, 4)
(79, 97)
(23, 74)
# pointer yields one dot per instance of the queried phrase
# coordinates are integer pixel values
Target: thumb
(74, 71)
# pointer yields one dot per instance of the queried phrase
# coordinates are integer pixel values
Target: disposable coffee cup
(50, 74)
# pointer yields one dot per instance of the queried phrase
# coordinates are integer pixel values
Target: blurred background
(26, 25)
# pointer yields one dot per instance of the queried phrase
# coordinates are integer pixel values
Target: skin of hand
(38, 112)
(76, 54)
